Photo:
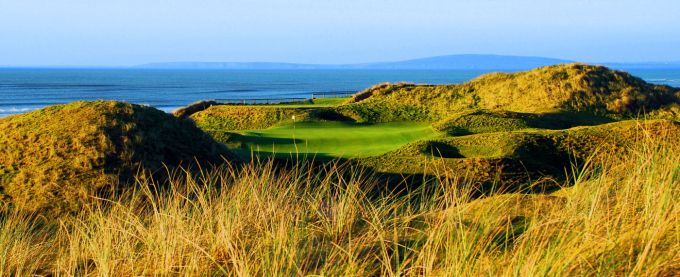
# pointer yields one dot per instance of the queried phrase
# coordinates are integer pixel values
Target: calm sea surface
(23, 90)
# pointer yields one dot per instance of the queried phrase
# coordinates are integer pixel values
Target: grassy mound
(671, 112)
(57, 157)
(568, 87)
(516, 157)
(194, 108)
(486, 121)
(246, 117)
(574, 87)
(482, 121)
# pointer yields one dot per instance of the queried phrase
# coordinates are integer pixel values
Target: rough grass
(316, 102)
(486, 121)
(515, 157)
(311, 103)
(242, 117)
(569, 87)
(194, 108)
(618, 217)
(250, 117)
(56, 157)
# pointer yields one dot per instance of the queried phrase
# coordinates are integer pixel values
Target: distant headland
(449, 62)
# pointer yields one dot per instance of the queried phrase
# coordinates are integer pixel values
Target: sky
(132, 32)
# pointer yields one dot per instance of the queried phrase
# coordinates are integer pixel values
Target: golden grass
(55, 157)
(566, 87)
(246, 117)
(620, 216)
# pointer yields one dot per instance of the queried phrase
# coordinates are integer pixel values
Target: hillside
(512, 155)
(58, 157)
(560, 88)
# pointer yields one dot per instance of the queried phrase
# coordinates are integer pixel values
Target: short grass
(333, 139)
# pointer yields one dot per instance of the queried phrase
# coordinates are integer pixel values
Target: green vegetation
(562, 170)
(484, 121)
(569, 87)
(57, 157)
(316, 102)
(241, 117)
(507, 128)
(515, 158)
(330, 139)
(311, 103)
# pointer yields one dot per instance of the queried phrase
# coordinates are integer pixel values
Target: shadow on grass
(256, 139)
(510, 175)
(484, 121)
(565, 120)
(538, 166)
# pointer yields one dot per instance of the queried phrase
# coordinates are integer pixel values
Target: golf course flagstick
(297, 151)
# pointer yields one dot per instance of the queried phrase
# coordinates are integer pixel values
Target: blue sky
(127, 32)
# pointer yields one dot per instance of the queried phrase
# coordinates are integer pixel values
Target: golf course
(546, 119)
(307, 138)
(569, 169)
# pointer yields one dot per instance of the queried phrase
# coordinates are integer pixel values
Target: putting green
(333, 139)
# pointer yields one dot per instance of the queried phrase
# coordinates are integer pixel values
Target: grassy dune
(618, 216)
(568, 87)
(55, 158)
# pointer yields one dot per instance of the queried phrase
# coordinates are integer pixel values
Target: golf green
(333, 139)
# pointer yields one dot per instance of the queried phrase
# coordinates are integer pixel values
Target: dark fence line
(332, 94)
(284, 100)
(245, 101)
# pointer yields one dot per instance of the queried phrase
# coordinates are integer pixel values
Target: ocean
(23, 90)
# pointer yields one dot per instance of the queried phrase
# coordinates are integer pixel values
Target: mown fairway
(333, 139)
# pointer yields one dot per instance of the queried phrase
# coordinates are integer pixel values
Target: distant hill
(233, 65)
(452, 62)
(469, 62)
(647, 65)
(56, 158)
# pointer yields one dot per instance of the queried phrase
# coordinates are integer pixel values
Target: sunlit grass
(333, 139)
(617, 217)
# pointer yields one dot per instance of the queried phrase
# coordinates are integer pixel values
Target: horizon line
(141, 65)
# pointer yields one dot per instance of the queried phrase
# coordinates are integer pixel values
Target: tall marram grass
(620, 216)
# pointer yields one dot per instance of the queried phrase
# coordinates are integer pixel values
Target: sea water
(23, 90)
